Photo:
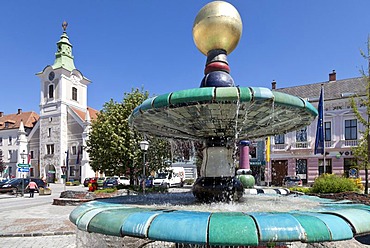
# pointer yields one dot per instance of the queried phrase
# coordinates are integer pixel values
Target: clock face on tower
(51, 76)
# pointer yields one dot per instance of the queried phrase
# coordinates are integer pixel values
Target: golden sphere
(217, 26)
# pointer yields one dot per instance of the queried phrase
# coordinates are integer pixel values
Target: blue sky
(122, 44)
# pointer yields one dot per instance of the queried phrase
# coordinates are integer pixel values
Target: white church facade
(54, 144)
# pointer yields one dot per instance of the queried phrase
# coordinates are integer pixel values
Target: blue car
(110, 183)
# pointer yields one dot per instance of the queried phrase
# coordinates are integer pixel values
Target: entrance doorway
(279, 171)
(51, 174)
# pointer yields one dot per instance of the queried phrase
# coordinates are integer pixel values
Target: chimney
(1, 114)
(19, 111)
(273, 84)
(332, 76)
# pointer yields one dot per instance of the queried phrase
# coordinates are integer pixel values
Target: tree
(362, 151)
(112, 144)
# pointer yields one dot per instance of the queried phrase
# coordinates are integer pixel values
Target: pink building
(293, 153)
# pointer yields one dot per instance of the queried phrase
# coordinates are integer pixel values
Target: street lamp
(144, 145)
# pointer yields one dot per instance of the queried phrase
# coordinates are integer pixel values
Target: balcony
(280, 147)
(349, 143)
(329, 144)
(301, 145)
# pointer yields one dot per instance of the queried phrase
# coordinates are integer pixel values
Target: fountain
(220, 114)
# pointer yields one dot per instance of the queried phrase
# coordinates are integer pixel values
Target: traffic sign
(23, 169)
(24, 165)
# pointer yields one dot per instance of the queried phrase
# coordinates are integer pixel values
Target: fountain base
(225, 189)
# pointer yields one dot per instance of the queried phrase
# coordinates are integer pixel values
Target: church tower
(63, 107)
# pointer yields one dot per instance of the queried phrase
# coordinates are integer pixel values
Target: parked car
(16, 185)
(110, 183)
(86, 181)
(291, 181)
(101, 181)
(124, 180)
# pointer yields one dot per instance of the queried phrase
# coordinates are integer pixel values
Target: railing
(301, 145)
(350, 142)
(279, 146)
(329, 144)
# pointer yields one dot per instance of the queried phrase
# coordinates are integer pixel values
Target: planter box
(44, 191)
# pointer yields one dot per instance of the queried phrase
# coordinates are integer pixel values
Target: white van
(170, 177)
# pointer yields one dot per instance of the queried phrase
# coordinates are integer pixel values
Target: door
(279, 171)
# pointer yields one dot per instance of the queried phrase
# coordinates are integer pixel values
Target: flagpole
(323, 125)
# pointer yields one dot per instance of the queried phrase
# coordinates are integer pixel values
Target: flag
(29, 158)
(78, 156)
(320, 139)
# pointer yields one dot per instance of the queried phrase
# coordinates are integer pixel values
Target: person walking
(32, 186)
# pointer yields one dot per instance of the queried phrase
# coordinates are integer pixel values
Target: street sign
(23, 169)
(24, 165)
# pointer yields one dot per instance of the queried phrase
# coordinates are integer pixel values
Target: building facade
(54, 143)
(293, 153)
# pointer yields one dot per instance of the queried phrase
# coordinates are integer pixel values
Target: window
(74, 93)
(279, 139)
(49, 132)
(51, 91)
(1, 141)
(10, 153)
(74, 150)
(350, 132)
(49, 149)
(31, 154)
(301, 135)
(327, 166)
(10, 140)
(327, 131)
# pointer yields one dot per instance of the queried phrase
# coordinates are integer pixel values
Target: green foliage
(362, 151)
(305, 190)
(189, 181)
(112, 144)
(331, 183)
(107, 190)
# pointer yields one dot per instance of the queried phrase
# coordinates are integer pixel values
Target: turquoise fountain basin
(329, 221)
(200, 113)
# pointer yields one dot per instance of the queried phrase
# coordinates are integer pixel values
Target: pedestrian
(32, 186)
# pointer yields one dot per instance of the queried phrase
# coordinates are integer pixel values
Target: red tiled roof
(93, 113)
(14, 120)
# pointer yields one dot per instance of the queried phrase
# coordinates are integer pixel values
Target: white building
(58, 138)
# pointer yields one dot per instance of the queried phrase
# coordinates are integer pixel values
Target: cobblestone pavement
(65, 241)
(34, 222)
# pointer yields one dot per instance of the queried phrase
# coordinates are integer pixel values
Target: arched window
(74, 93)
(51, 91)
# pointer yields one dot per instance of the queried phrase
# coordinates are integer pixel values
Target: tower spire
(63, 56)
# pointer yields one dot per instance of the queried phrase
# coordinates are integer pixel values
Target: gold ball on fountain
(217, 26)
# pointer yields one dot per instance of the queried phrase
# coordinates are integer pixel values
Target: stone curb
(37, 234)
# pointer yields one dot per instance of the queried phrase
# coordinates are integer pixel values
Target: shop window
(301, 169)
(328, 167)
(348, 164)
